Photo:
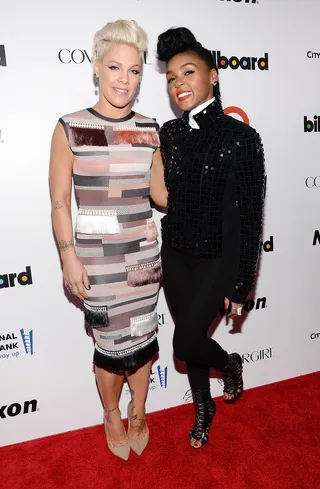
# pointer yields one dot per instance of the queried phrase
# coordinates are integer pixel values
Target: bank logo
(11, 279)
(312, 55)
(163, 376)
(16, 408)
(13, 345)
(3, 59)
(245, 62)
(313, 182)
(258, 355)
(236, 110)
(27, 340)
(316, 238)
(315, 336)
(311, 126)
(268, 245)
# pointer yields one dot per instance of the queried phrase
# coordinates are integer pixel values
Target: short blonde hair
(119, 32)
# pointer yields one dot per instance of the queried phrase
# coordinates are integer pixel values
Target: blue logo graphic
(163, 376)
(27, 339)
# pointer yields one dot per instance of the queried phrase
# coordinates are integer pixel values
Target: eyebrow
(183, 66)
(117, 62)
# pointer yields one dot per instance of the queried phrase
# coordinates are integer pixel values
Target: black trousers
(195, 289)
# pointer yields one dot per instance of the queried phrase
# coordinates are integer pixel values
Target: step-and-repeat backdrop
(268, 52)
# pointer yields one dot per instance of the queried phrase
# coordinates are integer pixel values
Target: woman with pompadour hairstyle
(113, 265)
(214, 174)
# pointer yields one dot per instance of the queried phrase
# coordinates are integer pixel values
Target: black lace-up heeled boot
(232, 378)
(205, 411)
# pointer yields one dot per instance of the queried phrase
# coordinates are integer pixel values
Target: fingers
(236, 310)
(77, 289)
(81, 291)
(86, 282)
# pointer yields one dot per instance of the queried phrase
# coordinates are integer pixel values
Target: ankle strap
(110, 410)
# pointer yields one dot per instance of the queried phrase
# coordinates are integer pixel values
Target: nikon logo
(15, 409)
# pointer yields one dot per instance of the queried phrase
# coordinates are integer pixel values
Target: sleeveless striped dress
(115, 236)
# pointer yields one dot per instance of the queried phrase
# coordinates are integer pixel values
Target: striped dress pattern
(115, 235)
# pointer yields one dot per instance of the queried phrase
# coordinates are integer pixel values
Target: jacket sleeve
(250, 173)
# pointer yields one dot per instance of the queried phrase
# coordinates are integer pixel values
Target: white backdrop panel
(45, 355)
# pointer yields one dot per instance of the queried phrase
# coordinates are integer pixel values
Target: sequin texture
(197, 165)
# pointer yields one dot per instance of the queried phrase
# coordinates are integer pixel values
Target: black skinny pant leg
(176, 283)
(202, 295)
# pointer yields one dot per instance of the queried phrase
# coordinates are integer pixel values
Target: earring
(215, 83)
(96, 84)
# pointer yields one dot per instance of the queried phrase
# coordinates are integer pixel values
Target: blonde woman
(113, 265)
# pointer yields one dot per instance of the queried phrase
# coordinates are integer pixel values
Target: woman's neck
(107, 110)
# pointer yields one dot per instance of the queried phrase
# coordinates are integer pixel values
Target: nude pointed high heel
(138, 444)
(120, 449)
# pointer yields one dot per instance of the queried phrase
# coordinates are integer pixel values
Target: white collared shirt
(196, 111)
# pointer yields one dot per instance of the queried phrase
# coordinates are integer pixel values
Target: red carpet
(269, 439)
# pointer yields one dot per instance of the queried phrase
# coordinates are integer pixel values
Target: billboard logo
(163, 376)
(23, 278)
(238, 1)
(27, 340)
(268, 245)
(245, 62)
(3, 59)
(311, 126)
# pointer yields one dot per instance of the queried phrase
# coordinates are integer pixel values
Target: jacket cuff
(239, 294)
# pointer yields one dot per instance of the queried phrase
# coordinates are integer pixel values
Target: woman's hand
(234, 308)
(75, 277)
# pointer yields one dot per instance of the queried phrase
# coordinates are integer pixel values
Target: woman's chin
(186, 105)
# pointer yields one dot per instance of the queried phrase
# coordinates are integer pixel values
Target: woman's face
(190, 80)
(119, 74)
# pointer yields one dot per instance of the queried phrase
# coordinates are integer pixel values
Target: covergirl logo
(78, 56)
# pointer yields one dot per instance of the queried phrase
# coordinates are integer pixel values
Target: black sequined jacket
(215, 181)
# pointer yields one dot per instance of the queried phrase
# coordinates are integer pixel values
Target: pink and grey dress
(116, 238)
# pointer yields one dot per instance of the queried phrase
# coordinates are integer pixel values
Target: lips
(183, 95)
(120, 91)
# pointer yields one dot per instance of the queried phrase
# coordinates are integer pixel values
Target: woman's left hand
(234, 308)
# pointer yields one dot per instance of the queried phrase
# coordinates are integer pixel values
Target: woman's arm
(61, 164)
(158, 190)
(250, 172)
